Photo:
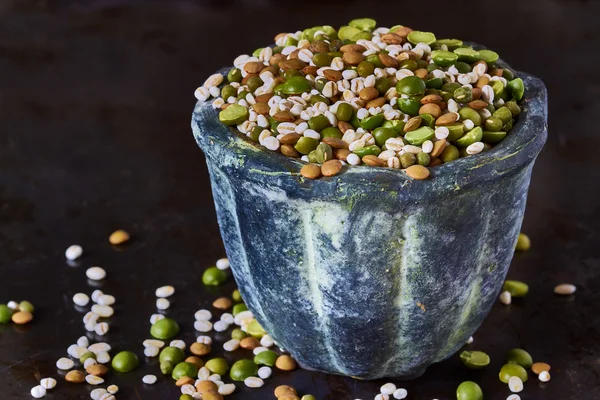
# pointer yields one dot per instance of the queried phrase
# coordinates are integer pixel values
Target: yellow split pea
(119, 237)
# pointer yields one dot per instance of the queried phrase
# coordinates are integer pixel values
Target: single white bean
(149, 379)
(95, 273)
(73, 252)
(162, 304)
(64, 363)
(81, 299)
(388, 388)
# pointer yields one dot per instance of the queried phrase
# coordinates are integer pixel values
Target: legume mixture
(367, 95)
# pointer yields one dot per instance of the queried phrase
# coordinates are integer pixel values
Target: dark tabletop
(95, 107)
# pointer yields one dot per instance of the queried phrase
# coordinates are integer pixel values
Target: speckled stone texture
(369, 273)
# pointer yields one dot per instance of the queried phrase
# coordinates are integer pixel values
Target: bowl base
(416, 375)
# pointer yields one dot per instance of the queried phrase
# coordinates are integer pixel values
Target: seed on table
(565, 289)
(520, 357)
(231, 345)
(203, 315)
(400, 394)
(228, 318)
(254, 382)
(26, 306)
(283, 390)
(523, 242)
(265, 372)
(204, 339)
(200, 349)
(418, 172)
(99, 347)
(149, 379)
(94, 380)
(113, 389)
(64, 364)
(107, 396)
(75, 376)
(227, 389)
(103, 357)
(516, 288)
(285, 363)
(38, 392)
(97, 370)
(153, 342)
(197, 361)
(206, 385)
(22, 317)
(103, 311)
(310, 171)
(177, 343)
(222, 303)
(544, 376)
(373, 161)
(165, 291)
(469, 391)
(73, 252)
(505, 297)
(88, 362)
(125, 361)
(388, 388)
(81, 299)
(118, 237)
(162, 304)
(267, 341)
(447, 119)
(470, 340)
(96, 295)
(48, 383)
(515, 384)
(223, 263)
(97, 393)
(220, 326)
(249, 343)
(539, 367)
(95, 274)
(101, 329)
(187, 388)
(509, 370)
(513, 397)
(331, 167)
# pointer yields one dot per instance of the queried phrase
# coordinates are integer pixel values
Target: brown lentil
(431, 98)
(392, 38)
(310, 171)
(332, 75)
(335, 143)
(289, 151)
(184, 380)
(97, 370)
(285, 362)
(283, 390)
(293, 63)
(438, 147)
(373, 161)
(447, 119)
(378, 102)
(212, 395)
(539, 367)
(388, 60)
(343, 126)
(481, 82)
(22, 317)
(251, 343)
(197, 361)
(431, 108)
(341, 154)
(477, 104)
(222, 303)
(118, 237)
(402, 31)
(284, 116)
(368, 93)
(290, 138)
(200, 349)
(254, 67)
(260, 108)
(412, 124)
(353, 57)
(421, 73)
(75, 377)
(331, 167)
(353, 47)
(418, 172)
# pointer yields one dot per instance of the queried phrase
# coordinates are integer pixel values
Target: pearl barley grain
(505, 297)
(73, 252)
(565, 289)
(400, 394)
(81, 299)
(156, 317)
(515, 384)
(253, 382)
(38, 392)
(165, 291)
(382, 397)
(203, 315)
(65, 364)
(265, 372)
(95, 273)
(113, 389)
(223, 263)
(388, 388)
(151, 351)
(48, 383)
(96, 394)
(544, 376)
(162, 304)
(149, 379)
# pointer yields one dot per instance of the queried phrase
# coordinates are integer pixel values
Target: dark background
(95, 104)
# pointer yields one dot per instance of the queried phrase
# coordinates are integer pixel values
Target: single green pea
(462, 67)
(474, 359)
(493, 124)
(408, 64)
(469, 391)
(172, 354)
(362, 35)
(493, 137)
(166, 367)
(347, 32)
(5, 314)
(407, 159)
(450, 153)
(395, 124)
(374, 59)
(382, 134)
(312, 157)
(416, 37)
(289, 73)
(463, 94)
(474, 135)
(422, 63)
(365, 69)
(508, 74)
(227, 92)
(344, 112)
(456, 131)
(382, 85)
(308, 397)
(432, 67)
(364, 24)
(469, 113)
(516, 288)
(467, 55)
(125, 361)
(419, 135)
(322, 59)
(451, 44)
(507, 126)
(242, 95)
(213, 276)
(86, 355)
(498, 88)
(409, 105)
(520, 357)
(236, 296)
(290, 41)
(503, 113)
(317, 98)
(373, 150)
(306, 144)
(185, 369)
(26, 306)
(450, 87)
(372, 122)
(513, 107)
(423, 159)
(443, 58)
(296, 85)
(254, 83)
(233, 115)
(277, 49)
(509, 370)
(267, 358)
(324, 152)
(256, 52)
(434, 83)
(255, 133)
(165, 328)
(516, 88)
(186, 397)
(354, 121)
(217, 366)
(318, 122)
(234, 75)
(254, 329)
(238, 308)
(331, 132)
(320, 83)
(411, 86)
(243, 369)
(427, 120)
(238, 334)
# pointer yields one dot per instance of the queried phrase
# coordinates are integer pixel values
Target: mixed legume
(381, 97)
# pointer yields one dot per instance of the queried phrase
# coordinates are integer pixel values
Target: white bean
(64, 364)
(223, 263)
(515, 384)
(151, 351)
(226, 389)
(95, 273)
(38, 392)
(101, 329)
(162, 303)
(388, 388)
(81, 299)
(94, 380)
(400, 394)
(106, 300)
(97, 393)
(265, 372)
(103, 311)
(231, 345)
(113, 389)
(155, 318)
(149, 379)
(73, 252)
(203, 326)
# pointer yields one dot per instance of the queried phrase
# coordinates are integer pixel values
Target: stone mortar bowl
(369, 273)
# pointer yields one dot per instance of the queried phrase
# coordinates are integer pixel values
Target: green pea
(474, 135)
(317, 98)
(233, 115)
(520, 357)
(217, 366)
(254, 329)
(324, 152)
(493, 137)
(344, 112)
(238, 308)
(320, 83)
(395, 124)
(318, 122)
(450, 153)
(365, 69)
(290, 41)
(322, 59)
(372, 122)
(503, 113)
(493, 124)
(331, 132)
(410, 85)
(368, 150)
(498, 88)
(431, 67)
(509, 370)
(462, 67)
(468, 113)
(408, 64)
(507, 126)
(312, 157)
(488, 56)
(409, 105)
(125, 361)
(296, 85)
(86, 355)
(407, 159)
(382, 134)
(443, 58)
(427, 120)
(467, 55)
(165, 328)
(516, 88)
(236, 296)
(166, 367)
(456, 131)
(185, 369)
(347, 32)
(416, 37)
(227, 92)
(382, 85)
(255, 133)
(267, 357)
(423, 159)
(213, 276)
(364, 24)
(238, 334)
(254, 83)
(289, 73)
(172, 354)
(306, 144)
(243, 369)
(26, 306)
(463, 95)
(354, 121)
(242, 95)
(186, 397)
(308, 397)
(450, 87)
(375, 60)
(469, 391)
(434, 83)
(451, 44)
(474, 359)
(5, 314)
(508, 74)
(516, 289)
(419, 135)
(513, 107)
(234, 75)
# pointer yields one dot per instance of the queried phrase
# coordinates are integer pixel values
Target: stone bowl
(369, 273)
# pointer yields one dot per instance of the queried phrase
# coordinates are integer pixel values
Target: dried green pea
(509, 370)
(514, 108)
(318, 122)
(365, 69)
(463, 95)
(423, 159)
(520, 357)
(324, 152)
(227, 92)
(306, 144)
(469, 113)
(516, 288)
(450, 153)
(474, 359)
(234, 75)
(407, 159)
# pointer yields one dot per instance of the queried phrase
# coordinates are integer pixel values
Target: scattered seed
(285, 363)
(113, 389)
(223, 303)
(75, 376)
(118, 237)
(96, 394)
(149, 379)
(151, 351)
(513, 397)
(515, 384)
(254, 382)
(103, 357)
(400, 394)
(265, 372)
(388, 388)
(539, 367)
(204, 340)
(162, 304)
(22, 317)
(382, 397)
(310, 171)
(200, 349)
(38, 392)
(73, 252)
(226, 389)
(565, 289)
(48, 383)
(101, 329)
(249, 343)
(231, 345)
(505, 297)
(99, 347)
(65, 364)
(165, 291)
(203, 315)
(88, 362)
(97, 370)
(418, 172)
(223, 263)
(103, 311)
(470, 340)
(95, 274)
(155, 318)
(544, 376)
(81, 299)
